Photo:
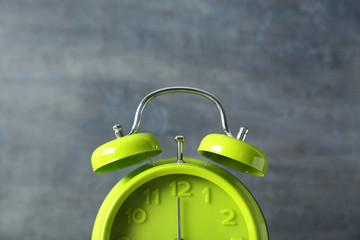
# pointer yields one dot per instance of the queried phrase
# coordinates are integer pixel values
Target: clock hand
(178, 219)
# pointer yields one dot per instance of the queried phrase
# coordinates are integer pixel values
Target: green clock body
(214, 205)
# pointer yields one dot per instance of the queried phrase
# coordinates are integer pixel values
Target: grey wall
(289, 70)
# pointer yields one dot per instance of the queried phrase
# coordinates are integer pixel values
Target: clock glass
(175, 201)
(207, 211)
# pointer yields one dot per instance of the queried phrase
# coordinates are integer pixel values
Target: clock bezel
(212, 173)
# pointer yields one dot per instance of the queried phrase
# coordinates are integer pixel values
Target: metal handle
(162, 91)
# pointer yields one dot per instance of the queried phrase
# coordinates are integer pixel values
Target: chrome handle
(162, 91)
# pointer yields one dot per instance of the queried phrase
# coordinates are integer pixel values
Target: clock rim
(194, 167)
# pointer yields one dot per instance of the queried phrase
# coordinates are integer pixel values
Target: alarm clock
(179, 198)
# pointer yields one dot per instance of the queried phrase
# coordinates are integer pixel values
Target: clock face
(205, 210)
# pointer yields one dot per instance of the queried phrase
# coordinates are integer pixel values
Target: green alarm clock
(179, 198)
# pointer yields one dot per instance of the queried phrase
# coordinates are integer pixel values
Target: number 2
(229, 220)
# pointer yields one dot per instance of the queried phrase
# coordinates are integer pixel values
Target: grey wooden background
(289, 70)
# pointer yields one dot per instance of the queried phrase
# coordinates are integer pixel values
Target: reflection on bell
(124, 152)
(234, 153)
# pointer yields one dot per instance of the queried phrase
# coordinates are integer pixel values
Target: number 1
(206, 192)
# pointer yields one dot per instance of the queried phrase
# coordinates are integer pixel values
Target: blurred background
(288, 70)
